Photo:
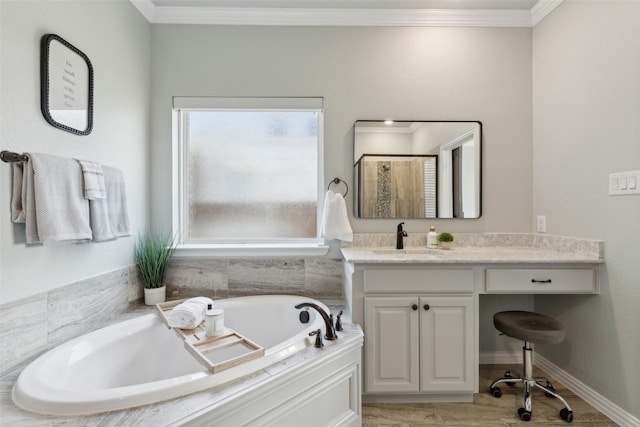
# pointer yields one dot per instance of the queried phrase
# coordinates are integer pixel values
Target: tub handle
(339, 321)
(318, 334)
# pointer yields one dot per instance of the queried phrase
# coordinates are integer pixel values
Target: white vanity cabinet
(419, 344)
(420, 331)
(414, 354)
(391, 347)
(575, 280)
(447, 344)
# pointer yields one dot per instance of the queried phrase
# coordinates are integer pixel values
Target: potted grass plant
(446, 240)
(152, 255)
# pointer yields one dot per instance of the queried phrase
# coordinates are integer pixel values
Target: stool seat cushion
(528, 326)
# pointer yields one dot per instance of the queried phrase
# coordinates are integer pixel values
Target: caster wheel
(566, 415)
(524, 414)
(495, 392)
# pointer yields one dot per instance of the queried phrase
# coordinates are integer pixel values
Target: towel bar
(11, 157)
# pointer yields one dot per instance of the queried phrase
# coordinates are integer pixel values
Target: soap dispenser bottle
(432, 238)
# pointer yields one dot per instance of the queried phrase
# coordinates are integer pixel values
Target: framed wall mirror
(417, 169)
(66, 78)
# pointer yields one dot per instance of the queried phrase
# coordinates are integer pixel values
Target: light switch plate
(623, 183)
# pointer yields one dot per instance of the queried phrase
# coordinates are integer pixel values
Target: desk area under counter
(419, 309)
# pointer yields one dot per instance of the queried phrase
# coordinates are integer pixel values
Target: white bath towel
(53, 200)
(189, 314)
(109, 216)
(335, 220)
(93, 178)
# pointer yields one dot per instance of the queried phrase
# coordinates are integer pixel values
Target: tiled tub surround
(279, 390)
(35, 324)
(226, 278)
(59, 315)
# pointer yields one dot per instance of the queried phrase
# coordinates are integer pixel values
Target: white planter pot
(446, 245)
(153, 296)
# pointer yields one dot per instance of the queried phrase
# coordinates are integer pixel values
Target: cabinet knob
(414, 307)
(426, 307)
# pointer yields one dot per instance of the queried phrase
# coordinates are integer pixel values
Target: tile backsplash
(35, 324)
(32, 325)
(226, 278)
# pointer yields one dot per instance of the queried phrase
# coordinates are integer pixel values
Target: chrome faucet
(400, 235)
(328, 322)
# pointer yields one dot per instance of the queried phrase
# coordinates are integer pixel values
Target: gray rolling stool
(530, 328)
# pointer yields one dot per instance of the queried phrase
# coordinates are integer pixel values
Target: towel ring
(337, 180)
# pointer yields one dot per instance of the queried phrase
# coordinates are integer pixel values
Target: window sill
(247, 251)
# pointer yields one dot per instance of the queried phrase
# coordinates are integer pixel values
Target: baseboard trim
(586, 393)
(500, 357)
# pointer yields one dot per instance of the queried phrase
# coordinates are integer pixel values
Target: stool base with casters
(528, 327)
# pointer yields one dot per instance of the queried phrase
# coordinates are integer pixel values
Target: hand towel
(56, 209)
(109, 216)
(335, 220)
(189, 314)
(93, 178)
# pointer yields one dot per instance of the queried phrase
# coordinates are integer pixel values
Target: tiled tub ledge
(228, 403)
(50, 318)
(477, 248)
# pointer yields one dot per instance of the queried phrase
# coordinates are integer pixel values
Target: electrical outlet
(541, 226)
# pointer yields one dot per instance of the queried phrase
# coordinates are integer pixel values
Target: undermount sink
(408, 251)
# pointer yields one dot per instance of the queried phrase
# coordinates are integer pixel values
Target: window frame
(313, 246)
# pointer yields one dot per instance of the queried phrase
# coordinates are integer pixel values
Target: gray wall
(363, 73)
(367, 73)
(116, 38)
(586, 122)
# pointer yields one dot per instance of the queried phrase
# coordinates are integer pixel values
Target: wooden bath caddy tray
(215, 353)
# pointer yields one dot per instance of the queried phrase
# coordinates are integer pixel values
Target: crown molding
(345, 17)
(541, 9)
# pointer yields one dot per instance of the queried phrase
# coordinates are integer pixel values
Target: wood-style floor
(486, 410)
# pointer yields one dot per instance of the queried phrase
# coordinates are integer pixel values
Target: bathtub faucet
(328, 322)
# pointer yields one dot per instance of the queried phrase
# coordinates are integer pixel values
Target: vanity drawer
(418, 280)
(541, 280)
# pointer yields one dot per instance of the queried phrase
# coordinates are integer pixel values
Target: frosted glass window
(250, 176)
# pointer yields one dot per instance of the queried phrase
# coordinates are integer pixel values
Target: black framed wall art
(66, 77)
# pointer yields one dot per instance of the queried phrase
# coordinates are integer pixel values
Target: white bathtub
(141, 361)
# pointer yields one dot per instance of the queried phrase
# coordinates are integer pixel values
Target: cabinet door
(446, 344)
(391, 344)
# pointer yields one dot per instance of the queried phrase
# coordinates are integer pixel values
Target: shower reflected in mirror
(417, 169)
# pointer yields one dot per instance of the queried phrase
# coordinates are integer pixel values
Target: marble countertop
(464, 255)
(484, 248)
